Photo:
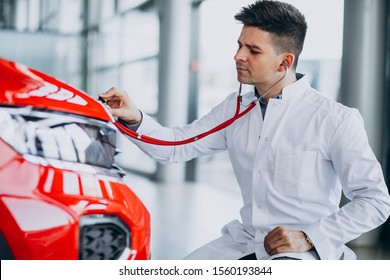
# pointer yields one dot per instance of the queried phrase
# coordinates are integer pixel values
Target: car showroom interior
(176, 61)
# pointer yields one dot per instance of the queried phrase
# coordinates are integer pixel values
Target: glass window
(105, 79)
(107, 10)
(21, 15)
(140, 79)
(70, 16)
(140, 35)
(107, 44)
(7, 14)
(125, 5)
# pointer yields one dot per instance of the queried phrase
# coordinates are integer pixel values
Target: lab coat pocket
(295, 172)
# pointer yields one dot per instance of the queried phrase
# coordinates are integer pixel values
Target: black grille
(102, 237)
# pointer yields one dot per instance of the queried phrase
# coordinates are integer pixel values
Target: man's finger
(110, 93)
(274, 232)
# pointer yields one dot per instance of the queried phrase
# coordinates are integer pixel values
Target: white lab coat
(291, 168)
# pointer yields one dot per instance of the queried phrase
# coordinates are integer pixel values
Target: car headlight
(58, 136)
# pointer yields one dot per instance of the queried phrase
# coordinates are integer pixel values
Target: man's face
(257, 62)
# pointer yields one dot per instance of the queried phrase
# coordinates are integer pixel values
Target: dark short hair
(284, 22)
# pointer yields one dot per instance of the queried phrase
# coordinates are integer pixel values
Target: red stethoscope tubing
(159, 142)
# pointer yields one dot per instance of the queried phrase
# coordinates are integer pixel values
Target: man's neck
(289, 79)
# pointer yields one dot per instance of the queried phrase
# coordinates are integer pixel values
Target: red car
(61, 193)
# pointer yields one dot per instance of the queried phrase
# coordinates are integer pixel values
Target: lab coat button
(260, 172)
(266, 139)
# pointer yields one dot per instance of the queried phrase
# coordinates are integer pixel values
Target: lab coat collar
(297, 89)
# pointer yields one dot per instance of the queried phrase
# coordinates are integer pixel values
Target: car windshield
(57, 136)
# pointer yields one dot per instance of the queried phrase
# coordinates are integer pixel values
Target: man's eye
(254, 52)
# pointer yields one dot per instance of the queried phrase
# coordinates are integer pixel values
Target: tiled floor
(187, 216)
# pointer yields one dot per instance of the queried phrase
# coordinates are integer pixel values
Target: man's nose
(240, 56)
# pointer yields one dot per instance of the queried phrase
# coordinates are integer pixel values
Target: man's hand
(121, 106)
(282, 239)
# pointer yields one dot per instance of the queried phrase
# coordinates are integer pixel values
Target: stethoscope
(241, 100)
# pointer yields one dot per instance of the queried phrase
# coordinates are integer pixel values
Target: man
(293, 154)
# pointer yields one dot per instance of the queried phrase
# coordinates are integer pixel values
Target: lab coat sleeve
(206, 146)
(363, 184)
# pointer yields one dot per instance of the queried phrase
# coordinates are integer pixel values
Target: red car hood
(23, 86)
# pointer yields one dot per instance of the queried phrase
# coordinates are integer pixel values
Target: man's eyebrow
(249, 46)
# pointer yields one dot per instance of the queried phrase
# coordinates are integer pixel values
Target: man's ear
(288, 61)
